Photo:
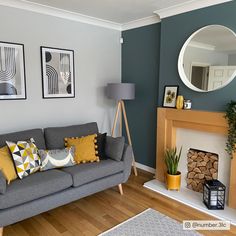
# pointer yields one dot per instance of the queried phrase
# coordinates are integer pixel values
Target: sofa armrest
(127, 158)
(3, 183)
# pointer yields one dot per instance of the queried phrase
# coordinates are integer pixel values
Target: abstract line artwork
(57, 72)
(12, 71)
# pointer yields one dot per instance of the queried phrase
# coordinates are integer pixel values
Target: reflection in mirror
(207, 60)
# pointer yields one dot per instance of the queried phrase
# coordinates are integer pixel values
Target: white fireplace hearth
(192, 199)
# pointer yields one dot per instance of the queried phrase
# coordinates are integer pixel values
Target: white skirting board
(146, 168)
(192, 199)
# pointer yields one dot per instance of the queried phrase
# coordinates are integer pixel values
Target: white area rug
(151, 223)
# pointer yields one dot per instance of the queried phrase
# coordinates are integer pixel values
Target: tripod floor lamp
(121, 92)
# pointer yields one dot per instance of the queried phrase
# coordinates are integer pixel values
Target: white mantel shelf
(192, 199)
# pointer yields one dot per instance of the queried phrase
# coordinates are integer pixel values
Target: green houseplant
(173, 176)
(231, 118)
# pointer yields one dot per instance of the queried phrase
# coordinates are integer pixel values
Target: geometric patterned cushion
(25, 156)
(58, 158)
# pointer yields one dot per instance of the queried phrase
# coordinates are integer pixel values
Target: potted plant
(173, 176)
(231, 118)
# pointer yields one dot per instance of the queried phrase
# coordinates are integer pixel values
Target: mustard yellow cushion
(85, 148)
(7, 165)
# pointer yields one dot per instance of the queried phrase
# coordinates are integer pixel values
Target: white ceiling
(119, 11)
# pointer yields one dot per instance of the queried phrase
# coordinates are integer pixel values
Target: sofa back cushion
(54, 136)
(114, 147)
(36, 134)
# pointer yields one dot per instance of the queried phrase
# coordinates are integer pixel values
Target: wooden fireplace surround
(169, 119)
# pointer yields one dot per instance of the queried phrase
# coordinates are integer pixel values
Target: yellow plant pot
(173, 181)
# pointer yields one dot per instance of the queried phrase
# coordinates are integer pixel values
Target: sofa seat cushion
(34, 186)
(88, 172)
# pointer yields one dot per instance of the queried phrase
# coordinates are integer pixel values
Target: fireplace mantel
(169, 119)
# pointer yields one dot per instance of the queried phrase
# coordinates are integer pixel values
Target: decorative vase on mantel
(180, 102)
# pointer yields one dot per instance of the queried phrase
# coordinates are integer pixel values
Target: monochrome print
(58, 72)
(12, 71)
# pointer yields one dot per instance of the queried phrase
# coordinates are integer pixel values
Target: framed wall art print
(12, 71)
(170, 95)
(58, 73)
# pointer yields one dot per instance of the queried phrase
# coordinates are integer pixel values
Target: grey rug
(151, 223)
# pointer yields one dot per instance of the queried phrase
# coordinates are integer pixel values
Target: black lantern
(214, 195)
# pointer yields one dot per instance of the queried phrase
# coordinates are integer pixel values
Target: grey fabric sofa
(44, 191)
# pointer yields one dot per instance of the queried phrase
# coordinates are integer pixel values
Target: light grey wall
(97, 62)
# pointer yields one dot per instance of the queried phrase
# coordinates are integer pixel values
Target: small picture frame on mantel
(170, 96)
(58, 73)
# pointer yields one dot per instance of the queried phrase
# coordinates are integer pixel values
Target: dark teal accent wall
(174, 32)
(149, 59)
(140, 65)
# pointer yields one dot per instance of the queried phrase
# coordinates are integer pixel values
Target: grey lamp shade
(121, 91)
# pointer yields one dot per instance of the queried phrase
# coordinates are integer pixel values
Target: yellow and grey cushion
(6, 165)
(58, 158)
(25, 156)
(85, 148)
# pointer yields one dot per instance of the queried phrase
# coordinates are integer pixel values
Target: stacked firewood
(201, 166)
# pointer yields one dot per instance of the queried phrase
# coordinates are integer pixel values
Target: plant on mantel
(231, 118)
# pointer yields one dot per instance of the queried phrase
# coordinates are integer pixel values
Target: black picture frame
(170, 96)
(12, 71)
(58, 72)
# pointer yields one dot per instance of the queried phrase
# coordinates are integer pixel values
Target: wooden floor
(99, 212)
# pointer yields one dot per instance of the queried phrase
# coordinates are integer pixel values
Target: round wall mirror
(207, 60)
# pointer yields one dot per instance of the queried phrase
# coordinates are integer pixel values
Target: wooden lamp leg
(120, 189)
(128, 135)
(121, 114)
(120, 110)
(1, 231)
(116, 117)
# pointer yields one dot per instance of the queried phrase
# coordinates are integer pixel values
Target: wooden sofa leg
(1, 231)
(120, 189)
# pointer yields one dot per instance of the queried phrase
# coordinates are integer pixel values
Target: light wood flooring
(99, 212)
